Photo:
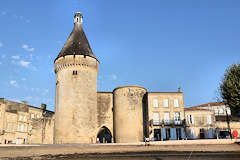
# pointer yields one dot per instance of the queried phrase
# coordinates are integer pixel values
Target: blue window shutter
(173, 134)
(182, 133)
(210, 133)
(164, 133)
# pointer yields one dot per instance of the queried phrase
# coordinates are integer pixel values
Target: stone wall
(42, 130)
(128, 114)
(76, 99)
(105, 110)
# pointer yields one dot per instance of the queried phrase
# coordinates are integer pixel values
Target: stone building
(166, 115)
(200, 123)
(128, 114)
(222, 123)
(21, 123)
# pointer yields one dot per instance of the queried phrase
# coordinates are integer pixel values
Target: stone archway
(104, 135)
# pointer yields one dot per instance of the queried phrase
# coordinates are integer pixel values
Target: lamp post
(228, 123)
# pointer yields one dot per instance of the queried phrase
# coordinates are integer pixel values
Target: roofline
(75, 55)
(103, 92)
(29, 106)
(130, 86)
(206, 104)
(190, 109)
(166, 92)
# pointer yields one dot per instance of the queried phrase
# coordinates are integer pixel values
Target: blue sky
(160, 45)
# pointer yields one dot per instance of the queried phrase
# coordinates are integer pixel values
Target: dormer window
(77, 19)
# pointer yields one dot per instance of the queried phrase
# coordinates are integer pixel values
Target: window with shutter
(190, 119)
(177, 117)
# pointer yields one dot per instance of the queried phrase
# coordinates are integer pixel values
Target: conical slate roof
(77, 43)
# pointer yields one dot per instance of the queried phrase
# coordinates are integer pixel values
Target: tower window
(77, 19)
(74, 72)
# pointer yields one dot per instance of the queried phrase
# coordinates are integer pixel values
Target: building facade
(21, 123)
(223, 123)
(200, 123)
(166, 115)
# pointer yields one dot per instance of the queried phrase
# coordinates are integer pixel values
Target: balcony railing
(168, 123)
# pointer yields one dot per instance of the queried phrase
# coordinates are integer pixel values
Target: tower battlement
(76, 62)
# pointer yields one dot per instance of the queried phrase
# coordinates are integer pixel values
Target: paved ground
(217, 149)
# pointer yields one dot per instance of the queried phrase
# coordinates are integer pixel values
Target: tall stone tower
(76, 70)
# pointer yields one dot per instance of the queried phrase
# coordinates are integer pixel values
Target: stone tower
(129, 108)
(76, 70)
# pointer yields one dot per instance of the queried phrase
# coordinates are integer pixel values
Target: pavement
(56, 151)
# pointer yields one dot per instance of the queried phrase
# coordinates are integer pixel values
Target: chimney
(43, 106)
(24, 102)
(179, 89)
(1, 100)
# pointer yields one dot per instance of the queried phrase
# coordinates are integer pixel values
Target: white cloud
(27, 48)
(0, 62)
(114, 77)
(24, 63)
(35, 89)
(15, 57)
(3, 13)
(46, 90)
(13, 83)
(24, 79)
(1, 44)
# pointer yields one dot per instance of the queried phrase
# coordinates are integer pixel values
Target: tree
(230, 89)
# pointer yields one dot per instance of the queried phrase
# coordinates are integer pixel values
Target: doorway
(202, 135)
(104, 135)
(157, 134)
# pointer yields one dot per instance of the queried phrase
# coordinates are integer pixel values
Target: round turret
(128, 110)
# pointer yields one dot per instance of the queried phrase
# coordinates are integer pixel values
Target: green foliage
(230, 89)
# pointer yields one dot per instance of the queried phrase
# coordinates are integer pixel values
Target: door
(157, 134)
(202, 136)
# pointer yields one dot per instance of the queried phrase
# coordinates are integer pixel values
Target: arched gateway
(104, 135)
